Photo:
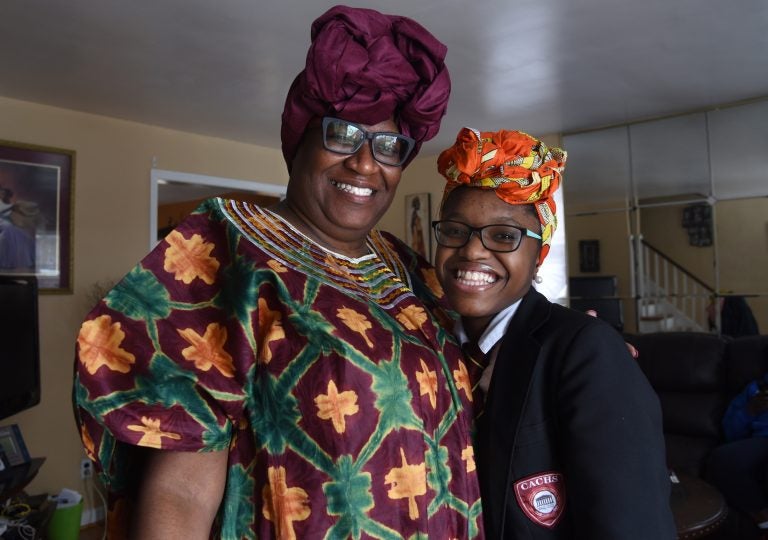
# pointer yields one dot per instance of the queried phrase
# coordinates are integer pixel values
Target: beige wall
(662, 228)
(111, 228)
(742, 244)
(611, 229)
(419, 177)
(742, 236)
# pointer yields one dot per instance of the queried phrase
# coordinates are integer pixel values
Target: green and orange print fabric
(339, 396)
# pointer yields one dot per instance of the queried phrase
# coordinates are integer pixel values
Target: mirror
(678, 208)
(173, 195)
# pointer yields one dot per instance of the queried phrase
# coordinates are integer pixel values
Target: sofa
(695, 376)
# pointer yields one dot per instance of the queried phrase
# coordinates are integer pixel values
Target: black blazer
(571, 431)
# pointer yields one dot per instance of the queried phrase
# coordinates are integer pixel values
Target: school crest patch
(542, 497)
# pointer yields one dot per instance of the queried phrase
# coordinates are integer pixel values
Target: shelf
(14, 479)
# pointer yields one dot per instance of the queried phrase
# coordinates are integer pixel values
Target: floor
(92, 532)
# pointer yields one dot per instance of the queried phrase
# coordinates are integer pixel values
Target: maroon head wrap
(366, 67)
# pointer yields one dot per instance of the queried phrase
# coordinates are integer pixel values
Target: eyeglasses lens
(502, 238)
(345, 138)
(390, 149)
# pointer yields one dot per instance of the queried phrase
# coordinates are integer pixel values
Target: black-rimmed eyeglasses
(387, 147)
(497, 237)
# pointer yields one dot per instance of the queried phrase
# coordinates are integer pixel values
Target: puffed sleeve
(162, 360)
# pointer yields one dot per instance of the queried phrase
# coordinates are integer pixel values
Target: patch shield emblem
(542, 497)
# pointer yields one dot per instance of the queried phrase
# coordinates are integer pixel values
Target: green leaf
(140, 296)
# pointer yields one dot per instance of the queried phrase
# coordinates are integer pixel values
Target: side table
(698, 508)
(14, 479)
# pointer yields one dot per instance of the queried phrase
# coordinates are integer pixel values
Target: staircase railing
(662, 281)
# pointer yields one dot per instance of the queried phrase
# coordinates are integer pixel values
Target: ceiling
(222, 68)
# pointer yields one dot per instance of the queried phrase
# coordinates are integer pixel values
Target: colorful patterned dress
(342, 402)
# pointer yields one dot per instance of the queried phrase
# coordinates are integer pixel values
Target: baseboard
(92, 515)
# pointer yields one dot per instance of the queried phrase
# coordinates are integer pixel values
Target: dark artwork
(697, 220)
(35, 212)
(589, 255)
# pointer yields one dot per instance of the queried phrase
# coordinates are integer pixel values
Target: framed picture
(697, 221)
(589, 255)
(12, 445)
(36, 214)
(418, 213)
(697, 215)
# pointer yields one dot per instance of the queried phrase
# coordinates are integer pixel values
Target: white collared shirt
(490, 338)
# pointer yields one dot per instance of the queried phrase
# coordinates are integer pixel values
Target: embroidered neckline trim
(353, 260)
(380, 277)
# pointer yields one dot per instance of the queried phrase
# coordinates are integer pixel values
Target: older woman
(284, 367)
(569, 441)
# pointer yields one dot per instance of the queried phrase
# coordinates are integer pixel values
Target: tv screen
(19, 346)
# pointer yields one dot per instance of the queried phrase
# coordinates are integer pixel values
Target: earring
(538, 279)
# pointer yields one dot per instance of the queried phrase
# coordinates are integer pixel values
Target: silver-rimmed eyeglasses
(495, 237)
(387, 147)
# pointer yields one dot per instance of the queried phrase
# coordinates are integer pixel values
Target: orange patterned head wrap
(520, 168)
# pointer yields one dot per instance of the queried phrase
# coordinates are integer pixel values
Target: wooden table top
(698, 507)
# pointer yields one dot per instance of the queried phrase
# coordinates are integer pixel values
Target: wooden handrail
(678, 266)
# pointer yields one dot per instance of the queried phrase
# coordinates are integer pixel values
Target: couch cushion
(682, 361)
(697, 414)
(687, 370)
(688, 455)
(747, 359)
(695, 376)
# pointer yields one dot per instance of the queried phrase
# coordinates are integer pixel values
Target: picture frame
(697, 221)
(36, 212)
(418, 215)
(589, 256)
(12, 445)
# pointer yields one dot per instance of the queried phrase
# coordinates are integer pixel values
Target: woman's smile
(353, 190)
(472, 279)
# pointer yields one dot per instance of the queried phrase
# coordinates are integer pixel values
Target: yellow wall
(742, 245)
(111, 228)
(662, 228)
(611, 229)
(419, 177)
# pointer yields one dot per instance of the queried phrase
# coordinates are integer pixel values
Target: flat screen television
(19, 345)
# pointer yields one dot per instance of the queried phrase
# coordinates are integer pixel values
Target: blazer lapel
(507, 395)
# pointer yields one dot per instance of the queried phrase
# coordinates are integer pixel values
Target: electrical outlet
(86, 468)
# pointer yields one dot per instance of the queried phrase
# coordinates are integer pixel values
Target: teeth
(363, 192)
(475, 278)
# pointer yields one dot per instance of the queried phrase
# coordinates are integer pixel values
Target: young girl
(568, 431)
